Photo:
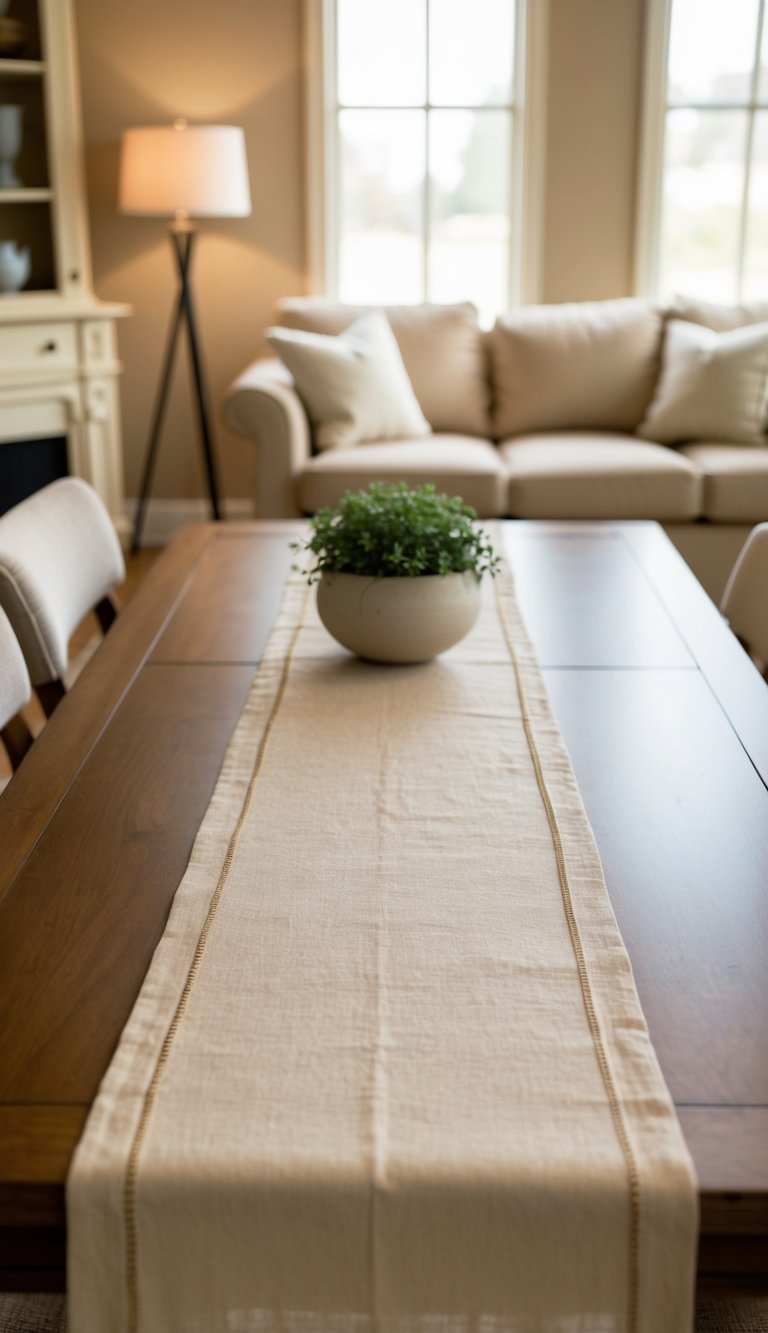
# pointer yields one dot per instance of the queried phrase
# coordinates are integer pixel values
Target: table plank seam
(210, 662)
(555, 666)
(663, 604)
(727, 717)
(30, 1104)
(723, 1106)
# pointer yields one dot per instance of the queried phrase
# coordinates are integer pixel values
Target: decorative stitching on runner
(617, 1114)
(131, 1171)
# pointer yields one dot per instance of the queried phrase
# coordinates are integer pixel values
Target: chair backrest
(59, 556)
(745, 600)
(15, 688)
(15, 691)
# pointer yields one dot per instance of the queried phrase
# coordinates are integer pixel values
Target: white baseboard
(164, 517)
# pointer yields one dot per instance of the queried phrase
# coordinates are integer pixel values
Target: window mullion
(426, 206)
(749, 153)
(742, 242)
(427, 190)
(332, 122)
(335, 215)
(650, 194)
(755, 87)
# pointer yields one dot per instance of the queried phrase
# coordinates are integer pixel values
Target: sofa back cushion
(442, 346)
(585, 366)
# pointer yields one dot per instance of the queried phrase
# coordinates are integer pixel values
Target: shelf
(43, 210)
(25, 195)
(21, 69)
(27, 221)
(31, 306)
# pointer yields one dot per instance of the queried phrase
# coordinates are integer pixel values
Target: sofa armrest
(263, 405)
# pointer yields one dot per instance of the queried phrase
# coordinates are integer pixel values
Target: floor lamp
(183, 172)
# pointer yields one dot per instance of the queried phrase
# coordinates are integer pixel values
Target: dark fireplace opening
(28, 465)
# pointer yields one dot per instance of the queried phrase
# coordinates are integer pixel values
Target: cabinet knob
(50, 346)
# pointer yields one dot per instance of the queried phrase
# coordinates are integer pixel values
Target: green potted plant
(398, 570)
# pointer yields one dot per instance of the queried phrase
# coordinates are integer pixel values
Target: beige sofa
(542, 417)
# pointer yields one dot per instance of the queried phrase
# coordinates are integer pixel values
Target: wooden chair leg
(50, 695)
(106, 611)
(17, 739)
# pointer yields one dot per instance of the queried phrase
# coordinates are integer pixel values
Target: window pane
(382, 52)
(712, 50)
(756, 261)
(382, 163)
(703, 186)
(471, 52)
(469, 224)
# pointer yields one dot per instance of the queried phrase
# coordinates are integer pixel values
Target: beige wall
(148, 61)
(236, 61)
(595, 65)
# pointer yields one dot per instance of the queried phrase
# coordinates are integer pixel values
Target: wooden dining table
(666, 722)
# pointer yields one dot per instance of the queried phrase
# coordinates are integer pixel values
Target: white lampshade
(184, 170)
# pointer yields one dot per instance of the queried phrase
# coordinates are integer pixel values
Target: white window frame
(651, 157)
(528, 150)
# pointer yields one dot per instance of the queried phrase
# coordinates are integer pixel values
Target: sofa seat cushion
(590, 365)
(735, 481)
(581, 474)
(442, 346)
(456, 464)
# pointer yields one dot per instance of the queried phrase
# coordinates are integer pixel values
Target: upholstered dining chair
(59, 559)
(745, 600)
(15, 692)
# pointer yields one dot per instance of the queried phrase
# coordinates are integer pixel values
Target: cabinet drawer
(37, 347)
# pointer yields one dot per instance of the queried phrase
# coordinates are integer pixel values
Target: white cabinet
(58, 358)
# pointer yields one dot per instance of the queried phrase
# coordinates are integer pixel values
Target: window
(703, 226)
(419, 196)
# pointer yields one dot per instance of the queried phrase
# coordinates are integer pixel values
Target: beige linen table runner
(388, 1070)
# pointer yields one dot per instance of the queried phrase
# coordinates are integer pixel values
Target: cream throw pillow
(713, 386)
(721, 318)
(354, 386)
(443, 350)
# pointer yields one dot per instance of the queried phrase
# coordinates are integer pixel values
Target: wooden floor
(137, 568)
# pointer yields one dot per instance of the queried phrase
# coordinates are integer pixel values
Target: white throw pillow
(354, 386)
(443, 350)
(721, 318)
(712, 386)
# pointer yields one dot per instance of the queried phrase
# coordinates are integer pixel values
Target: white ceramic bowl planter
(397, 569)
(398, 619)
